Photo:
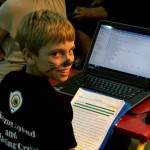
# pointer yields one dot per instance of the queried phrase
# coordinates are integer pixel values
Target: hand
(96, 2)
(84, 13)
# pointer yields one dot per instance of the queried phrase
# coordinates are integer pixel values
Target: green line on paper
(100, 107)
(91, 110)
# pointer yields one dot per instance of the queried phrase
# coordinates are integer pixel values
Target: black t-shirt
(33, 116)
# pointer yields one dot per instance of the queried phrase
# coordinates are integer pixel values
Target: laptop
(120, 56)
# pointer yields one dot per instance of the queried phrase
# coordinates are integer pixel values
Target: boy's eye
(55, 54)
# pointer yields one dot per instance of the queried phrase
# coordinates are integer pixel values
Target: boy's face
(54, 61)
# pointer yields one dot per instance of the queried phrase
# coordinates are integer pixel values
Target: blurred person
(85, 17)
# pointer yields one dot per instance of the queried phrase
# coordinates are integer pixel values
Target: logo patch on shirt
(15, 101)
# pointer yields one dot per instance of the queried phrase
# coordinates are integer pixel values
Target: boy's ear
(29, 56)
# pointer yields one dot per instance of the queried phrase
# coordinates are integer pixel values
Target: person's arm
(3, 34)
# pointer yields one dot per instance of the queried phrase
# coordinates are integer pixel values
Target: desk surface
(133, 126)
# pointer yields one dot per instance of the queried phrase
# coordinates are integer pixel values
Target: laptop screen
(121, 50)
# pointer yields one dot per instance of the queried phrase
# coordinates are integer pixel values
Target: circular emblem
(15, 101)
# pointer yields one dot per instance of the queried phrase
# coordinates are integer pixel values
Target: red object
(135, 126)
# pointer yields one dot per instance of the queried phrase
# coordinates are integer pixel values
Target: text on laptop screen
(122, 50)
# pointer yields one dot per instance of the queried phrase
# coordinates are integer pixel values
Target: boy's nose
(68, 62)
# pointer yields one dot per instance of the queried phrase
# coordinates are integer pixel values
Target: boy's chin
(62, 79)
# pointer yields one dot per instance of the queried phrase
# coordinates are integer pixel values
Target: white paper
(93, 116)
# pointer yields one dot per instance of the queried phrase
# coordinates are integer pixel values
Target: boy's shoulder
(20, 80)
(21, 76)
(32, 86)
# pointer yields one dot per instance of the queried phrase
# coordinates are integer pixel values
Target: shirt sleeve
(58, 130)
(66, 115)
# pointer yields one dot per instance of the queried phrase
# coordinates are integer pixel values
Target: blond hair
(41, 27)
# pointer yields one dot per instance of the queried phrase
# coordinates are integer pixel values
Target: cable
(136, 114)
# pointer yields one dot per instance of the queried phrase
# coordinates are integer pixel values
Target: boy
(11, 13)
(32, 115)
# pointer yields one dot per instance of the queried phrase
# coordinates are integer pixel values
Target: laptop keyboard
(111, 88)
